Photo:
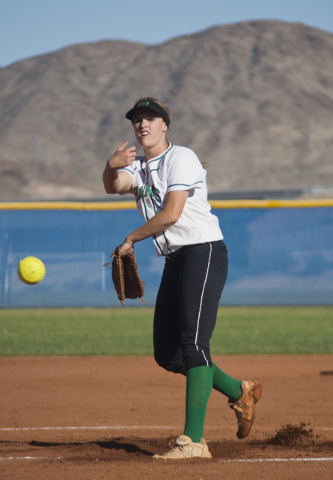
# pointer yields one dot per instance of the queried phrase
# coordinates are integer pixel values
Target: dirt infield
(104, 418)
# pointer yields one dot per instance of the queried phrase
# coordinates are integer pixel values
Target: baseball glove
(125, 276)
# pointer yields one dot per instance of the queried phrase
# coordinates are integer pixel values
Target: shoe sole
(256, 394)
(257, 391)
(206, 455)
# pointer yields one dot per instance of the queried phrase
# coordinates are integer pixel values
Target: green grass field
(128, 331)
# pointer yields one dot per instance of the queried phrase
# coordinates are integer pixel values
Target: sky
(34, 27)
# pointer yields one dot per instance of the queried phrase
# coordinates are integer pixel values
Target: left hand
(126, 245)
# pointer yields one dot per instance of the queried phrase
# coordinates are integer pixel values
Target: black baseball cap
(151, 105)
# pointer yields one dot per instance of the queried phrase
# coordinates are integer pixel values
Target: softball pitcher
(169, 186)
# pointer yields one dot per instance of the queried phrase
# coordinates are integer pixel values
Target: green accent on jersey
(156, 194)
(158, 245)
(155, 211)
(127, 170)
(161, 156)
(184, 184)
(142, 169)
(153, 193)
(146, 191)
(158, 198)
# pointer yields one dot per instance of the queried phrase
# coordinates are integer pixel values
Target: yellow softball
(31, 270)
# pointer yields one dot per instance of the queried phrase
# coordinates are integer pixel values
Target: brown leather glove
(125, 276)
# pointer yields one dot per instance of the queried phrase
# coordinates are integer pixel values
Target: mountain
(254, 100)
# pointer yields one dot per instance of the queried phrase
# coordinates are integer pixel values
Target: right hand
(126, 245)
(122, 157)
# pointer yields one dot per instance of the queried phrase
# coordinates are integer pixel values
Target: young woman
(169, 185)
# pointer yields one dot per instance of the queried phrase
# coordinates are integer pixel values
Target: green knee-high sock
(225, 384)
(199, 385)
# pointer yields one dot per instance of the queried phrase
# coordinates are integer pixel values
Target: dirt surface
(104, 418)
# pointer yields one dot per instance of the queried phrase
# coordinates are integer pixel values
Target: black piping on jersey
(200, 305)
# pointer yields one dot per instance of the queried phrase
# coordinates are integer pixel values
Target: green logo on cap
(142, 104)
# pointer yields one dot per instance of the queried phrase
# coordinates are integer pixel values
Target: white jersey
(178, 168)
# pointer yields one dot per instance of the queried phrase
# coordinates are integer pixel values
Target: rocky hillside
(254, 100)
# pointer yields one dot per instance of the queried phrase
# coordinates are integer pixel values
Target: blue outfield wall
(277, 256)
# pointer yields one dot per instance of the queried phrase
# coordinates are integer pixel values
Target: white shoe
(185, 448)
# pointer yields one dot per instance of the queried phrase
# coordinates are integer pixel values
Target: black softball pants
(186, 306)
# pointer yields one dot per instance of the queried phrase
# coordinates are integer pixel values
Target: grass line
(129, 331)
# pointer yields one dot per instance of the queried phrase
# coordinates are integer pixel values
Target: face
(149, 128)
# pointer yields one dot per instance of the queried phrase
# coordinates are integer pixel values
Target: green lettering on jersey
(156, 195)
(147, 191)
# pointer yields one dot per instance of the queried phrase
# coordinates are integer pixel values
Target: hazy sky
(32, 27)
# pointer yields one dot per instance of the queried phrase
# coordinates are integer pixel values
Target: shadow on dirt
(289, 440)
(128, 447)
(107, 445)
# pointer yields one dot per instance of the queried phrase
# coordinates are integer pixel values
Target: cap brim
(154, 107)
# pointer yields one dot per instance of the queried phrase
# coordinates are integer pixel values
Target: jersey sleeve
(131, 169)
(185, 171)
(128, 169)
